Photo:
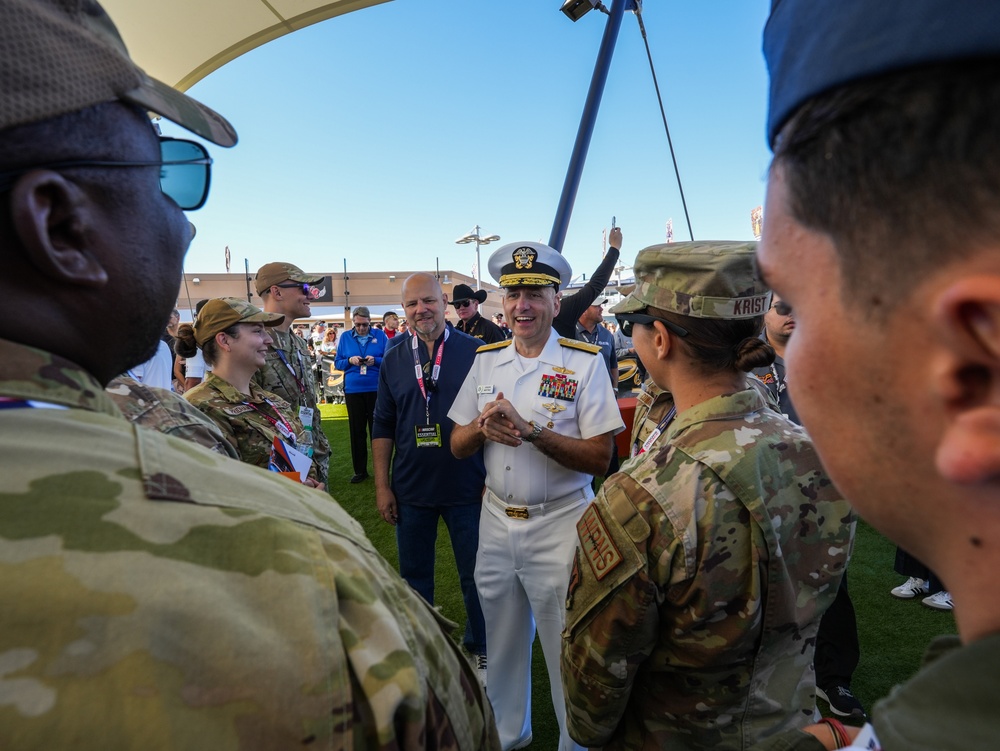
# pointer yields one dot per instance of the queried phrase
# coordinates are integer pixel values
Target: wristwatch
(536, 430)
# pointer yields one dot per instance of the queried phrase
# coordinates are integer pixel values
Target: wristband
(840, 737)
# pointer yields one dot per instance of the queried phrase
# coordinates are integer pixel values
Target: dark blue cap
(812, 46)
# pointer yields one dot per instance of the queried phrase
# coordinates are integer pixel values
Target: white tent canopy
(180, 42)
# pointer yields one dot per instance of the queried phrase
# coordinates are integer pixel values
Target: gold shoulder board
(495, 345)
(576, 344)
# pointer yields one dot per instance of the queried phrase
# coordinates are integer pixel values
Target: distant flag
(757, 221)
(475, 271)
(670, 230)
(604, 242)
(228, 259)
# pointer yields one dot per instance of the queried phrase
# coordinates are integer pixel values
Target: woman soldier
(232, 335)
(704, 566)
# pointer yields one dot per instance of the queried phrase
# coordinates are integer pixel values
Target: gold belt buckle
(516, 512)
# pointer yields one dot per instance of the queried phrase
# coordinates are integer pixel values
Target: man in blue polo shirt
(419, 379)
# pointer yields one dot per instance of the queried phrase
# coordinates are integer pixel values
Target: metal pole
(587, 121)
(479, 271)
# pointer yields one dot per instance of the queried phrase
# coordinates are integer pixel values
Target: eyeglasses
(462, 304)
(627, 320)
(362, 324)
(307, 289)
(782, 308)
(185, 171)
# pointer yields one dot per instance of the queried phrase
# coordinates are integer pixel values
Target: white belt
(538, 509)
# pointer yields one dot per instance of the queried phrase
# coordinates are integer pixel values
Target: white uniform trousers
(522, 573)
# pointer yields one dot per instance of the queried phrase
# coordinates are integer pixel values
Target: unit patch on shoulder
(598, 547)
(495, 345)
(575, 344)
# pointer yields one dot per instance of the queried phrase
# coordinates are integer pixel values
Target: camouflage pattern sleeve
(276, 377)
(730, 531)
(168, 413)
(155, 594)
(245, 427)
(612, 622)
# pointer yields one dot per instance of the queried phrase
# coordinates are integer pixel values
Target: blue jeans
(416, 537)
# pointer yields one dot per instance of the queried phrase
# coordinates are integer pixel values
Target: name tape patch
(598, 548)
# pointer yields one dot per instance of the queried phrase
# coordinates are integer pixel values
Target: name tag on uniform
(428, 436)
(484, 389)
(306, 416)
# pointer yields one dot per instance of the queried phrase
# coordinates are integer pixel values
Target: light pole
(475, 237)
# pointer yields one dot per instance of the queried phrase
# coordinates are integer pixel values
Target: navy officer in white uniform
(545, 410)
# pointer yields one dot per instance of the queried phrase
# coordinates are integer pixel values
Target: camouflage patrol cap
(222, 312)
(62, 56)
(698, 279)
(275, 273)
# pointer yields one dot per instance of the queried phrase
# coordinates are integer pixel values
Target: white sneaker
(481, 668)
(910, 589)
(939, 601)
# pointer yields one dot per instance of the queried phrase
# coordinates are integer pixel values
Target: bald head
(424, 304)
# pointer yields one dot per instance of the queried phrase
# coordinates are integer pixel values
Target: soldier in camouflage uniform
(167, 412)
(154, 594)
(703, 566)
(287, 372)
(249, 417)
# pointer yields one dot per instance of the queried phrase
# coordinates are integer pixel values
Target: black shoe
(359, 478)
(842, 702)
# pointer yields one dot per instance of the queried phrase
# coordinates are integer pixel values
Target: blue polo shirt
(430, 476)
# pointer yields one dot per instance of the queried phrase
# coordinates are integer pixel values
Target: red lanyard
(287, 432)
(435, 371)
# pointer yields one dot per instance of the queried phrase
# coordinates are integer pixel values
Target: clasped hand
(501, 423)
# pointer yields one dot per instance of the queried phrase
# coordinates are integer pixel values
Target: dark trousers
(416, 539)
(360, 416)
(837, 648)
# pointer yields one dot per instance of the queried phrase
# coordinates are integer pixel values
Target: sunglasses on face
(307, 289)
(628, 320)
(185, 171)
(782, 308)
(462, 304)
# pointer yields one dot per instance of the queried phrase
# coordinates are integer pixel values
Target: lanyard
(652, 437)
(285, 428)
(419, 370)
(298, 381)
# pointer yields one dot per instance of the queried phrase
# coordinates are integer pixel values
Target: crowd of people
(177, 573)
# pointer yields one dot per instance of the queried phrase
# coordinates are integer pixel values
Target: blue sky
(383, 135)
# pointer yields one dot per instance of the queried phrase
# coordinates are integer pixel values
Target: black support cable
(663, 114)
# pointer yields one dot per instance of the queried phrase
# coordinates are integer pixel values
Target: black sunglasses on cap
(185, 171)
(627, 321)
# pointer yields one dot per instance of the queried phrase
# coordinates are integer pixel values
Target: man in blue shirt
(590, 329)
(359, 355)
(412, 432)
